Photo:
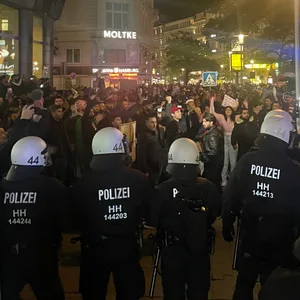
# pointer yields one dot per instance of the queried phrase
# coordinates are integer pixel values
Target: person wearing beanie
(263, 193)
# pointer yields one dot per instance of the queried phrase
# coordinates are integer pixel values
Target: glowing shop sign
(118, 70)
(237, 61)
(123, 75)
(130, 35)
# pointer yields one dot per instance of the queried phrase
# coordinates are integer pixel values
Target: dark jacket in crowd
(193, 125)
(262, 114)
(213, 155)
(88, 131)
(151, 157)
(213, 143)
(140, 119)
(61, 153)
(173, 132)
(244, 134)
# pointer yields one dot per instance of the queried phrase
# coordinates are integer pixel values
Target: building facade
(108, 39)
(26, 36)
(163, 32)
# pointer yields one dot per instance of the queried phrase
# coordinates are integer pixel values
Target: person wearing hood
(33, 214)
(244, 133)
(184, 210)
(109, 202)
(263, 193)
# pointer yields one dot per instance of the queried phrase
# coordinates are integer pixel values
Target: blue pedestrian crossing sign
(209, 79)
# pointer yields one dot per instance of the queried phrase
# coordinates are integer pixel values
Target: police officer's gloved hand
(228, 233)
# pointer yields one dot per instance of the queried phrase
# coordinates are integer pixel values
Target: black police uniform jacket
(265, 186)
(33, 213)
(110, 201)
(174, 211)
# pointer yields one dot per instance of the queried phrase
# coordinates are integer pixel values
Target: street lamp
(241, 39)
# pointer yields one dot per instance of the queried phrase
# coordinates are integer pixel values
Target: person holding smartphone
(34, 120)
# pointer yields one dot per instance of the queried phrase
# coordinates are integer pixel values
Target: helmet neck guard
(20, 173)
(183, 171)
(107, 161)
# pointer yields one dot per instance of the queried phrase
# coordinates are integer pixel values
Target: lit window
(4, 25)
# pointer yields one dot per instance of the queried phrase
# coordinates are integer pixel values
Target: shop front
(121, 78)
(26, 37)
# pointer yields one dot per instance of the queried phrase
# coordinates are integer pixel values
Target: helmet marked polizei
(108, 141)
(29, 151)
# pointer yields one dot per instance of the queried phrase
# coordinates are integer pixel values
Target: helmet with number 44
(108, 141)
(183, 151)
(29, 151)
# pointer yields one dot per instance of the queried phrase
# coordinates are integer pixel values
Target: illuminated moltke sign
(119, 34)
(117, 70)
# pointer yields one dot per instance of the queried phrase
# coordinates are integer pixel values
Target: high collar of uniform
(107, 161)
(19, 173)
(183, 171)
(270, 144)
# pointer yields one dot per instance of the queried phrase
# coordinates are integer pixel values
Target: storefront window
(37, 29)
(37, 47)
(9, 56)
(9, 44)
(9, 20)
(37, 60)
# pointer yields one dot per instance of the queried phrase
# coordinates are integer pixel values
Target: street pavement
(222, 277)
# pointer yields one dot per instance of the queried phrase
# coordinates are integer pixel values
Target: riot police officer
(110, 201)
(264, 191)
(32, 216)
(187, 207)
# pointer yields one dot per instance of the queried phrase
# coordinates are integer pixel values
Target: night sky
(176, 9)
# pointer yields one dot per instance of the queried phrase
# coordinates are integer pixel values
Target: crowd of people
(68, 120)
(235, 137)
